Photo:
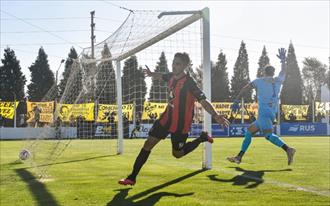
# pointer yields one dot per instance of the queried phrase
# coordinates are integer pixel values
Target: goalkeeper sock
(139, 162)
(246, 141)
(276, 140)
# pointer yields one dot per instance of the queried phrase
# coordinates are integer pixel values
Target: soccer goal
(113, 78)
(107, 97)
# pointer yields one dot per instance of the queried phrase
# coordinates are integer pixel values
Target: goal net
(107, 97)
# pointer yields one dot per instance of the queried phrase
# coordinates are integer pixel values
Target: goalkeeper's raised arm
(282, 56)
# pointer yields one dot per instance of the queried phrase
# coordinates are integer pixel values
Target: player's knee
(177, 153)
(268, 136)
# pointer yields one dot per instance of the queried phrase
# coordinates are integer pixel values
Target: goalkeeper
(178, 116)
(268, 89)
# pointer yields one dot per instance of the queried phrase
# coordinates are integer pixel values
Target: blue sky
(59, 25)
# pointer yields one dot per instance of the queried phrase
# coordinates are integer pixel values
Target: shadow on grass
(248, 176)
(120, 199)
(38, 189)
(73, 161)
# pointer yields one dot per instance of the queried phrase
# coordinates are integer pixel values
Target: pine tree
(292, 86)
(241, 74)
(263, 61)
(133, 84)
(106, 79)
(42, 78)
(12, 80)
(219, 80)
(158, 90)
(72, 56)
(314, 76)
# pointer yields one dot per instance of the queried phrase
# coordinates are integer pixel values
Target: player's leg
(252, 129)
(180, 147)
(267, 125)
(157, 133)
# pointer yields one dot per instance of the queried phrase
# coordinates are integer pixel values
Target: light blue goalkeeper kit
(268, 91)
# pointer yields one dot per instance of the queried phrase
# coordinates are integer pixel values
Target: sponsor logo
(237, 130)
(293, 128)
(302, 128)
(102, 130)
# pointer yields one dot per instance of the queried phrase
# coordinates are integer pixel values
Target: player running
(178, 116)
(268, 89)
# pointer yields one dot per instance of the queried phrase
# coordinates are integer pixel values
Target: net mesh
(87, 108)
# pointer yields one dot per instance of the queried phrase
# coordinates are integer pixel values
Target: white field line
(280, 184)
(268, 181)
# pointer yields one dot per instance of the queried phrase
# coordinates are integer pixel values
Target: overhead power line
(40, 28)
(44, 18)
(118, 6)
(46, 31)
(268, 41)
(42, 43)
(36, 51)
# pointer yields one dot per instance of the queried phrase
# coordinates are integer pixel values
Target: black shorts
(178, 139)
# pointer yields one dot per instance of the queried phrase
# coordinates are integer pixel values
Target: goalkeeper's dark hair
(184, 57)
(269, 70)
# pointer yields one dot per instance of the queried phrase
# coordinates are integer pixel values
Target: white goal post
(127, 42)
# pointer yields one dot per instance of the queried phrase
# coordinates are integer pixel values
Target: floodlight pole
(56, 78)
(92, 32)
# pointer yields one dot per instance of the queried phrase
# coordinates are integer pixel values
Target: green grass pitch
(87, 174)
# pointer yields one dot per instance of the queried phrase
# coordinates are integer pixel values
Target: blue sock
(246, 141)
(276, 140)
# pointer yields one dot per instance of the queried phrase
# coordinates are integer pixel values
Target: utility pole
(94, 77)
(92, 32)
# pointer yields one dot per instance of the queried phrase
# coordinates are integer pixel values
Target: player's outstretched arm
(282, 56)
(155, 75)
(235, 106)
(245, 89)
(220, 119)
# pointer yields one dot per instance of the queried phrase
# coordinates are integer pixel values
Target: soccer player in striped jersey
(178, 115)
(268, 90)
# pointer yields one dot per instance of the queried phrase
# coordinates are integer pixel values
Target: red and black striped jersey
(183, 93)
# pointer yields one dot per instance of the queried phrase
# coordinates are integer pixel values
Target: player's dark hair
(269, 70)
(183, 56)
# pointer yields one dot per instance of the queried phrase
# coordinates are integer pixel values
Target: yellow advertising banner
(70, 112)
(108, 112)
(153, 110)
(7, 109)
(323, 108)
(45, 109)
(224, 108)
(298, 112)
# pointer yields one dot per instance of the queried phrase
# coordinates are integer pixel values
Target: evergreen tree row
(305, 85)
